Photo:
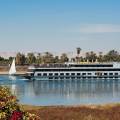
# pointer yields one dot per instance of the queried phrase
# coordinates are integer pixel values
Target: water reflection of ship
(29, 89)
(76, 88)
(69, 90)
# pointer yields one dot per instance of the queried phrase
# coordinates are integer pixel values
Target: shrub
(10, 109)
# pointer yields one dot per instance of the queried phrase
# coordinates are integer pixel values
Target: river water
(64, 92)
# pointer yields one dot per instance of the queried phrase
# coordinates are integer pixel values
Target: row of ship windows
(67, 74)
(80, 77)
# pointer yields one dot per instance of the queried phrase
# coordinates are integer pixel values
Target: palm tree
(64, 58)
(91, 56)
(56, 59)
(78, 51)
(100, 57)
(31, 58)
(78, 54)
(20, 59)
(112, 56)
(87, 56)
(38, 59)
(48, 58)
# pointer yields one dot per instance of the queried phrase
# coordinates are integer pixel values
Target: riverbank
(83, 112)
(20, 70)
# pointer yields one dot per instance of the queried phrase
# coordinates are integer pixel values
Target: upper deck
(76, 66)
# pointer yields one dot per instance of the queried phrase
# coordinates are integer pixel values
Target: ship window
(78, 73)
(83, 73)
(116, 73)
(67, 73)
(50, 74)
(39, 74)
(89, 73)
(44, 74)
(110, 73)
(105, 73)
(32, 74)
(56, 74)
(98, 74)
(89, 76)
(72, 73)
(61, 73)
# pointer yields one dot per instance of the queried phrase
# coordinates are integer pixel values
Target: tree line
(47, 58)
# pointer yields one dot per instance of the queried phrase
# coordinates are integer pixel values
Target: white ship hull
(75, 72)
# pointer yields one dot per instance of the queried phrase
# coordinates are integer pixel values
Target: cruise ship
(73, 71)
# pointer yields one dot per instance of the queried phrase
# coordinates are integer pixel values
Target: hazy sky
(59, 25)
